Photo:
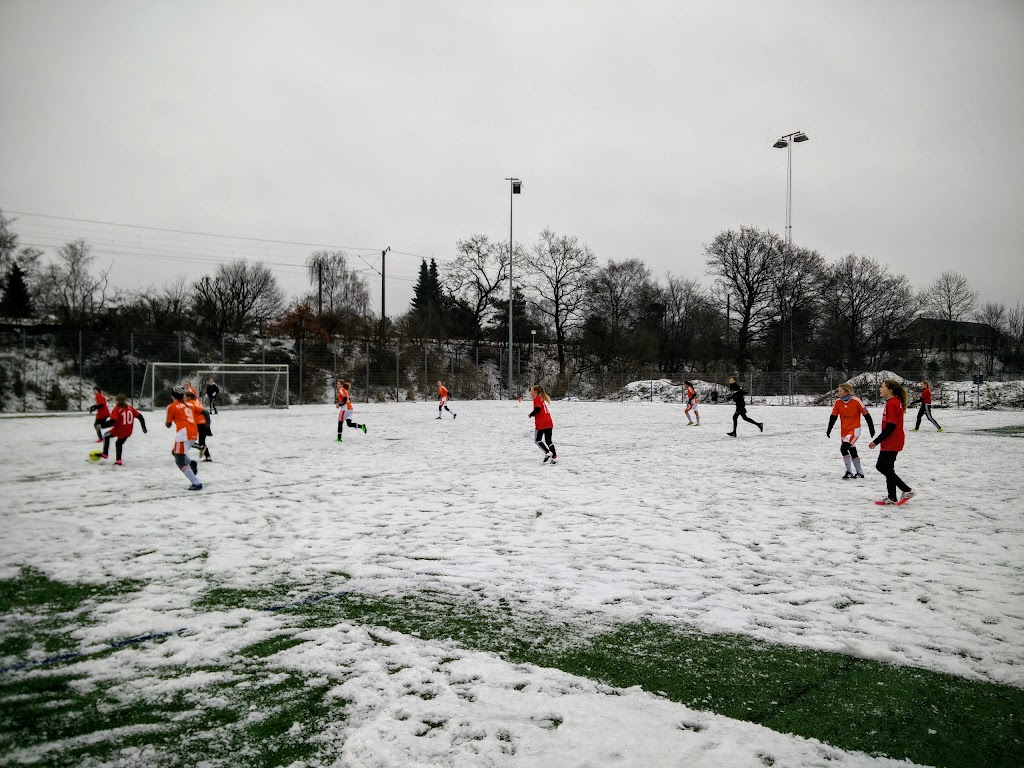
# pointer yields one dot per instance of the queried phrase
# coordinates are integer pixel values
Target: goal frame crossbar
(202, 371)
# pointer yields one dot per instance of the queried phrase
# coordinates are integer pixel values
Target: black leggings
(543, 440)
(119, 443)
(736, 419)
(887, 466)
(925, 412)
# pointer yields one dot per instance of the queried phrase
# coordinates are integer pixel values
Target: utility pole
(320, 289)
(515, 188)
(383, 313)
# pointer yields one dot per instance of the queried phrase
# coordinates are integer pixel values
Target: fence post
(131, 377)
(500, 354)
(652, 387)
(426, 375)
(24, 372)
(397, 374)
(790, 386)
(223, 353)
(300, 371)
(80, 370)
(367, 370)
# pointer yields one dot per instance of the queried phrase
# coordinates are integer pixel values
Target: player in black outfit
(211, 393)
(737, 395)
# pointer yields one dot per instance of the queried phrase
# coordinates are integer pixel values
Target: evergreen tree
(16, 301)
(428, 302)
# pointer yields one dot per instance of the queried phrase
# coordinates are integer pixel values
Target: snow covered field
(641, 519)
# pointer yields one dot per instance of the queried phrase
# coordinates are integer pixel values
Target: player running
(102, 414)
(890, 439)
(848, 409)
(185, 433)
(346, 410)
(926, 406)
(442, 400)
(124, 417)
(542, 423)
(691, 405)
(737, 395)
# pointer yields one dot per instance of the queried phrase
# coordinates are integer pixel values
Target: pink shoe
(118, 463)
(103, 455)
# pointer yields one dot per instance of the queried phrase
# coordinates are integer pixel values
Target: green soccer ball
(96, 455)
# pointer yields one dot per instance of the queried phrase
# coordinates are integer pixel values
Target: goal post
(244, 385)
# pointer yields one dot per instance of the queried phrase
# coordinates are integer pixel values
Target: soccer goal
(246, 385)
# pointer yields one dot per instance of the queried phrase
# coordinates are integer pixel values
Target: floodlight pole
(515, 186)
(786, 142)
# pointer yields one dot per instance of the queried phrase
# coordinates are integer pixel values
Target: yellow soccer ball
(96, 455)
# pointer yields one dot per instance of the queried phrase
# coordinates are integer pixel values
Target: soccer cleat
(939, 429)
(848, 475)
(859, 476)
(731, 434)
(338, 440)
(760, 426)
(196, 487)
(905, 497)
(438, 418)
(547, 458)
(689, 423)
(454, 416)
(207, 459)
(554, 460)
(103, 456)
(99, 439)
(886, 502)
(118, 463)
(363, 427)
(916, 429)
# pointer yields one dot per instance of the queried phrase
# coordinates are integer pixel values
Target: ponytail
(898, 390)
(539, 389)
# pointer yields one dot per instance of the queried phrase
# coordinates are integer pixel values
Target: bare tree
(992, 314)
(690, 326)
(69, 289)
(558, 269)
(341, 288)
(950, 299)
(478, 276)
(619, 298)
(797, 288)
(745, 266)
(1015, 336)
(239, 298)
(866, 308)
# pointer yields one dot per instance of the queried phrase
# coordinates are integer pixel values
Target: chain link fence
(55, 370)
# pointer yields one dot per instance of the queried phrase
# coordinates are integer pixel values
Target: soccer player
(102, 413)
(124, 417)
(346, 410)
(203, 419)
(212, 390)
(185, 433)
(542, 423)
(890, 439)
(926, 406)
(737, 395)
(442, 400)
(190, 390)
(691, 405)
(848, 409)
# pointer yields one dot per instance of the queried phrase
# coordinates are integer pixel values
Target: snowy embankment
(641, 519)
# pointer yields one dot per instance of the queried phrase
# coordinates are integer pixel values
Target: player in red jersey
(185, 433)
(124, 417)
(691, 405)
(346, 410)
(542, 423)
(102, 414)
(925, 412)
(891, 439)
(848, 409)
(442, 400)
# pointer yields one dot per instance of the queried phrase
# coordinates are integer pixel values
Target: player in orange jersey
(442, 400)
(346, 410)
(185, 433)
(203, 419)
(691, 405)
(848, 409)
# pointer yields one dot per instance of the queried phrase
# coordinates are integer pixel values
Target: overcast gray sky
(644, 128)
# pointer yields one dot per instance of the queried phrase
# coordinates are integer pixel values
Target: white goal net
(245, 385)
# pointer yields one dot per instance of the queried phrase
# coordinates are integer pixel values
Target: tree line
(765, 305)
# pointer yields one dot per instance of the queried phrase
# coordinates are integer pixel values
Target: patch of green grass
(1017, 431)
(41, 614)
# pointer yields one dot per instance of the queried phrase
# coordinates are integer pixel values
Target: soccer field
(432, 594)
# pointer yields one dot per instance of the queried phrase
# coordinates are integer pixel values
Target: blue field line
(156, 635)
